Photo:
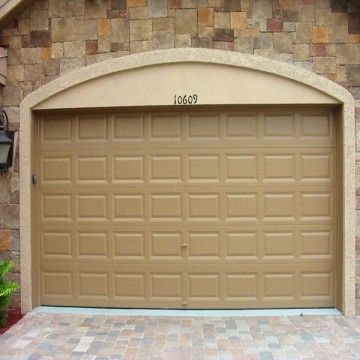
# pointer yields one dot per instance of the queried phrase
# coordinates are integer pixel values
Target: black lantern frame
(6, 143)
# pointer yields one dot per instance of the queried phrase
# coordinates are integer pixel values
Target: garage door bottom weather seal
(185, 313)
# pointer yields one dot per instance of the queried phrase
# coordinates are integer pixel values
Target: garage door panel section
(193, 209)
(224, 205)
(196, 287)
(188, 168)
(274, 129)
(223, 244)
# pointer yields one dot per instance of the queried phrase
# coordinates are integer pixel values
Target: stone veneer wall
(55, 37)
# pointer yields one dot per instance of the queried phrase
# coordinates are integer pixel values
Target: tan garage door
(218, 209)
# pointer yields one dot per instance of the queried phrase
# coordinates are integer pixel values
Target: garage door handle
(185, 303)
(184, 245)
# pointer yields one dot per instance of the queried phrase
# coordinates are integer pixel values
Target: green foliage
(6, 289)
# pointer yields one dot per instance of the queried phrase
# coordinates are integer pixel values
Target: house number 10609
(185, 99)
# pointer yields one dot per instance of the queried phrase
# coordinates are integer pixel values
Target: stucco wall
(55, 37)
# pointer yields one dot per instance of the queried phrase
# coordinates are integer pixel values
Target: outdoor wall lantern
(6, 143)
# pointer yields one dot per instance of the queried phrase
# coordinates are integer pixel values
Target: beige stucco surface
(217, 77)
(212, 83)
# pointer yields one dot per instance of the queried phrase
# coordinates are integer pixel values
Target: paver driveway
(83, 336)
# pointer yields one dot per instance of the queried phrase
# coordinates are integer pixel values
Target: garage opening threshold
(185, 313)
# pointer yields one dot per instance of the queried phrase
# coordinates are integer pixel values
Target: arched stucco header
(248, 73)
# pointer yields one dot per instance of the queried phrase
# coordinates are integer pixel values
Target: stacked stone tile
(54, 37)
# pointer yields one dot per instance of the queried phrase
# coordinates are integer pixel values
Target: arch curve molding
(216, 78)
